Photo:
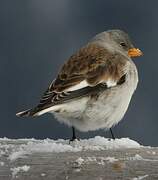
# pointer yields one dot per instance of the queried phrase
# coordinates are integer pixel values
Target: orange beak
(133, 52)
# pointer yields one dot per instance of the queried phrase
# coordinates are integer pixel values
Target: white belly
(108, 110)
(88, 114)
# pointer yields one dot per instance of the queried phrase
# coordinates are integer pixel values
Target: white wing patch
(81, 85)
(111, 83)
(52, 108)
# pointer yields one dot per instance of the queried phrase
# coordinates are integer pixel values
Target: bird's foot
(111, 139)
(112, 134)
(74, 139)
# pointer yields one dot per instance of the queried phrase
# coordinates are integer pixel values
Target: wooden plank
(126, 164)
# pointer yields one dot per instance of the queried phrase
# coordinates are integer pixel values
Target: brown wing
(92, 63)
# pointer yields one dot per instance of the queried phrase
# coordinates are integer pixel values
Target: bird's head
(118, 40)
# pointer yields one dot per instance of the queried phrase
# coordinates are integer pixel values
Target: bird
(94, 86)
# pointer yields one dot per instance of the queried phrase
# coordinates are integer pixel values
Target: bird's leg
(112, 134)
(73, 135)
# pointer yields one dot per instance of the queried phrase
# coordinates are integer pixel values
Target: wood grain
(85, 165)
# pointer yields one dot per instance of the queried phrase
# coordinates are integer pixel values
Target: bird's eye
(123, 44)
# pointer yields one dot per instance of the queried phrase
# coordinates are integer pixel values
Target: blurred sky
(37, 36)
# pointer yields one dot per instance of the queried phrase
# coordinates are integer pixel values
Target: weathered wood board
(120, 164)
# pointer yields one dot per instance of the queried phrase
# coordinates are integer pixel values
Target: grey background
(37, 36)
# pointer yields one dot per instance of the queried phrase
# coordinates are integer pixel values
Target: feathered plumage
(99, 68)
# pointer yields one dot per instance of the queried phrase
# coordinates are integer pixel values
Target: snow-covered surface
(20, 158)
(16, 170)
(30, 146)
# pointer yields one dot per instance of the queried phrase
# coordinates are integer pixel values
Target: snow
(19, 154)
(99, 160)
(111, 159)
(137, 157)
(77, 170)
(43, 174)
(41, 147)
(24, 147)
(2, 152)
(153, 152)
(80, 161)
(116, 154)
(1, 163)
(16, 170)
(140, 177)
(101, 143)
